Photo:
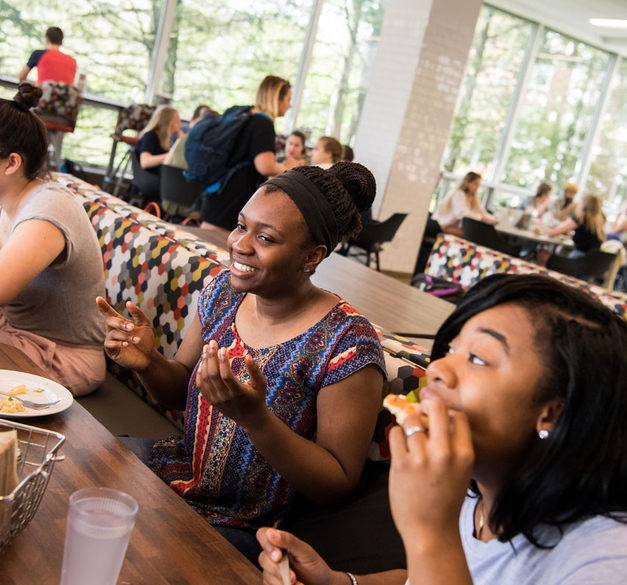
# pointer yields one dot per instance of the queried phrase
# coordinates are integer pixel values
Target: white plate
(51, 391)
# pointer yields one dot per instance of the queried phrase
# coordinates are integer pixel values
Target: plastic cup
(99, 525)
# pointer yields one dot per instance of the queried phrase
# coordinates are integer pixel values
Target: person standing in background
(51, 63)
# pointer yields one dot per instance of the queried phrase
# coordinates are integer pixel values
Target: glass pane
(220, 50)
(556, 112)
(489, 81)
(608, 172)
(346, 42)
(111, 40)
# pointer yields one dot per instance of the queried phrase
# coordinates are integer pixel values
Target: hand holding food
(402, 406)
(129, 342)
(244, 403)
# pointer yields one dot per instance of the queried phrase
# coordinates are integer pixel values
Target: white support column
(160, 51)
(408, 111)
(303, 65)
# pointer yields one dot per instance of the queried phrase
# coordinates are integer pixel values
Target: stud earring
(543, 434)
(306, 270)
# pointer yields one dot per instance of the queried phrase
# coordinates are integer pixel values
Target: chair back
(375, 233)
(595, 264)
(176, 188)
(620, 257)
(142, 179)
(484, 234)
(134, 117)
(59, 104)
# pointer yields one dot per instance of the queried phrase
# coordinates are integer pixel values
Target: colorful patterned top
(214, 466)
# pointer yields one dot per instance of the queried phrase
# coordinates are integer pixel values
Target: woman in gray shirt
(50, 260)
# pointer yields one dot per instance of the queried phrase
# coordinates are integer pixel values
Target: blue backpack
(211, 143)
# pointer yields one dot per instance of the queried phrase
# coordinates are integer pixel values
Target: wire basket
(37, 453)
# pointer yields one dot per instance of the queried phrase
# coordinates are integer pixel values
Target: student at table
(538, 204)
(50, 260)
(280, 380)
(463, 202)
(587, 225)
(153, 148)
(564, 207)
(295, 147)
(326, 152)
(517, 413)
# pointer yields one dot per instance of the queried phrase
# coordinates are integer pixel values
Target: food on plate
(10, 406)
(8, 462)
(21, 389)
(402, 407)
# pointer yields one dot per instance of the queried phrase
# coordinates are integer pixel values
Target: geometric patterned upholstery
(466, 263)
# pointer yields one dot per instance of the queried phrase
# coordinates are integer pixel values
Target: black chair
(149, 184)
(594, 265)
(484, 234)
(177, 190)
(432, 229)
(373, 235)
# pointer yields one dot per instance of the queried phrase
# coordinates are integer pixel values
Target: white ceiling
(571, 17)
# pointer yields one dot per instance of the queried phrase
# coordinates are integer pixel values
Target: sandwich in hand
(401, 407)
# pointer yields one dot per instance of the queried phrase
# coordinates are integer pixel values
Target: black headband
(312, 204)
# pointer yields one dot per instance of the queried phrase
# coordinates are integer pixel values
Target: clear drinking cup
(99, 525)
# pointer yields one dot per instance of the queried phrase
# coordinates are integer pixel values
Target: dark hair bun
(27, 95)
(358, 181)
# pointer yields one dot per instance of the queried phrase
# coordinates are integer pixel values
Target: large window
(337, 80)
(484, 98)
(608, 171)
(556, 112)
(220, 50)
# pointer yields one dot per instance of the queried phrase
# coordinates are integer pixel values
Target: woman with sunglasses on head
(520, 477)
(50, 261)
(280, 380)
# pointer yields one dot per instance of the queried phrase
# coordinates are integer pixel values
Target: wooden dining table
(170, 544)
(531, 235)
(384, 300)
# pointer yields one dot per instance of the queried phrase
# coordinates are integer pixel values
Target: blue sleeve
(34, 58)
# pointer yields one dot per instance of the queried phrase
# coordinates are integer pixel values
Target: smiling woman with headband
(280, 380)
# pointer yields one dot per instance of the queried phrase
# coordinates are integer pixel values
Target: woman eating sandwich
(520, 477)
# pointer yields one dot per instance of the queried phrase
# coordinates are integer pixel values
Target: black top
(149, 143)
(222, 209)
(585, 240)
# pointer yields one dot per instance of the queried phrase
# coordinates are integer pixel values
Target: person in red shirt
(51, 63)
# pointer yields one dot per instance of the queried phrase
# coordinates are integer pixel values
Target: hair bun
(358, 181)
(27, 95)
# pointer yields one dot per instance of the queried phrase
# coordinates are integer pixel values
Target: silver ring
(415, 429)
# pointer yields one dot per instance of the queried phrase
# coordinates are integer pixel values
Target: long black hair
(581, 469)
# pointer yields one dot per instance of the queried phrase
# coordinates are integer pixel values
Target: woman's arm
(130, 343)
(325, 471)
(149, 161)
(561, 228)
(266, 165)
(31, 248)
(307, 565)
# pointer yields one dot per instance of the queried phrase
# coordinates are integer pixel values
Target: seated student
(294, 147)
(347, 153)
(463, 202)
(326, 152)
(544, 453)
(254, 157)
(152, 147)
(618, 231)
(588, 223)
(539, 203)
(50, 261)
(280, 380)
(564, 207)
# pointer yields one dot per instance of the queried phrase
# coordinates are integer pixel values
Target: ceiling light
(608, 22)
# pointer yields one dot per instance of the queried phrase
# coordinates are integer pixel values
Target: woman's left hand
(244, 403)
(430, 473)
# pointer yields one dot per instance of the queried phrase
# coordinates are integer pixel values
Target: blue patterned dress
(214, 466)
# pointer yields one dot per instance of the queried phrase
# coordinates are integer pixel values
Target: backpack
(438, 287)
(210, 144)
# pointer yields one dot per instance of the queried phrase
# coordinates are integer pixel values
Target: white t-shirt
(454, 207)
(590, 552)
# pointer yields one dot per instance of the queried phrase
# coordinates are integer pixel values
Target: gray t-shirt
(60, 303)
(590, 552)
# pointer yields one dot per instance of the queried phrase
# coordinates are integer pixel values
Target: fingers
(138, 315)
(105, 308)
(257, 379)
